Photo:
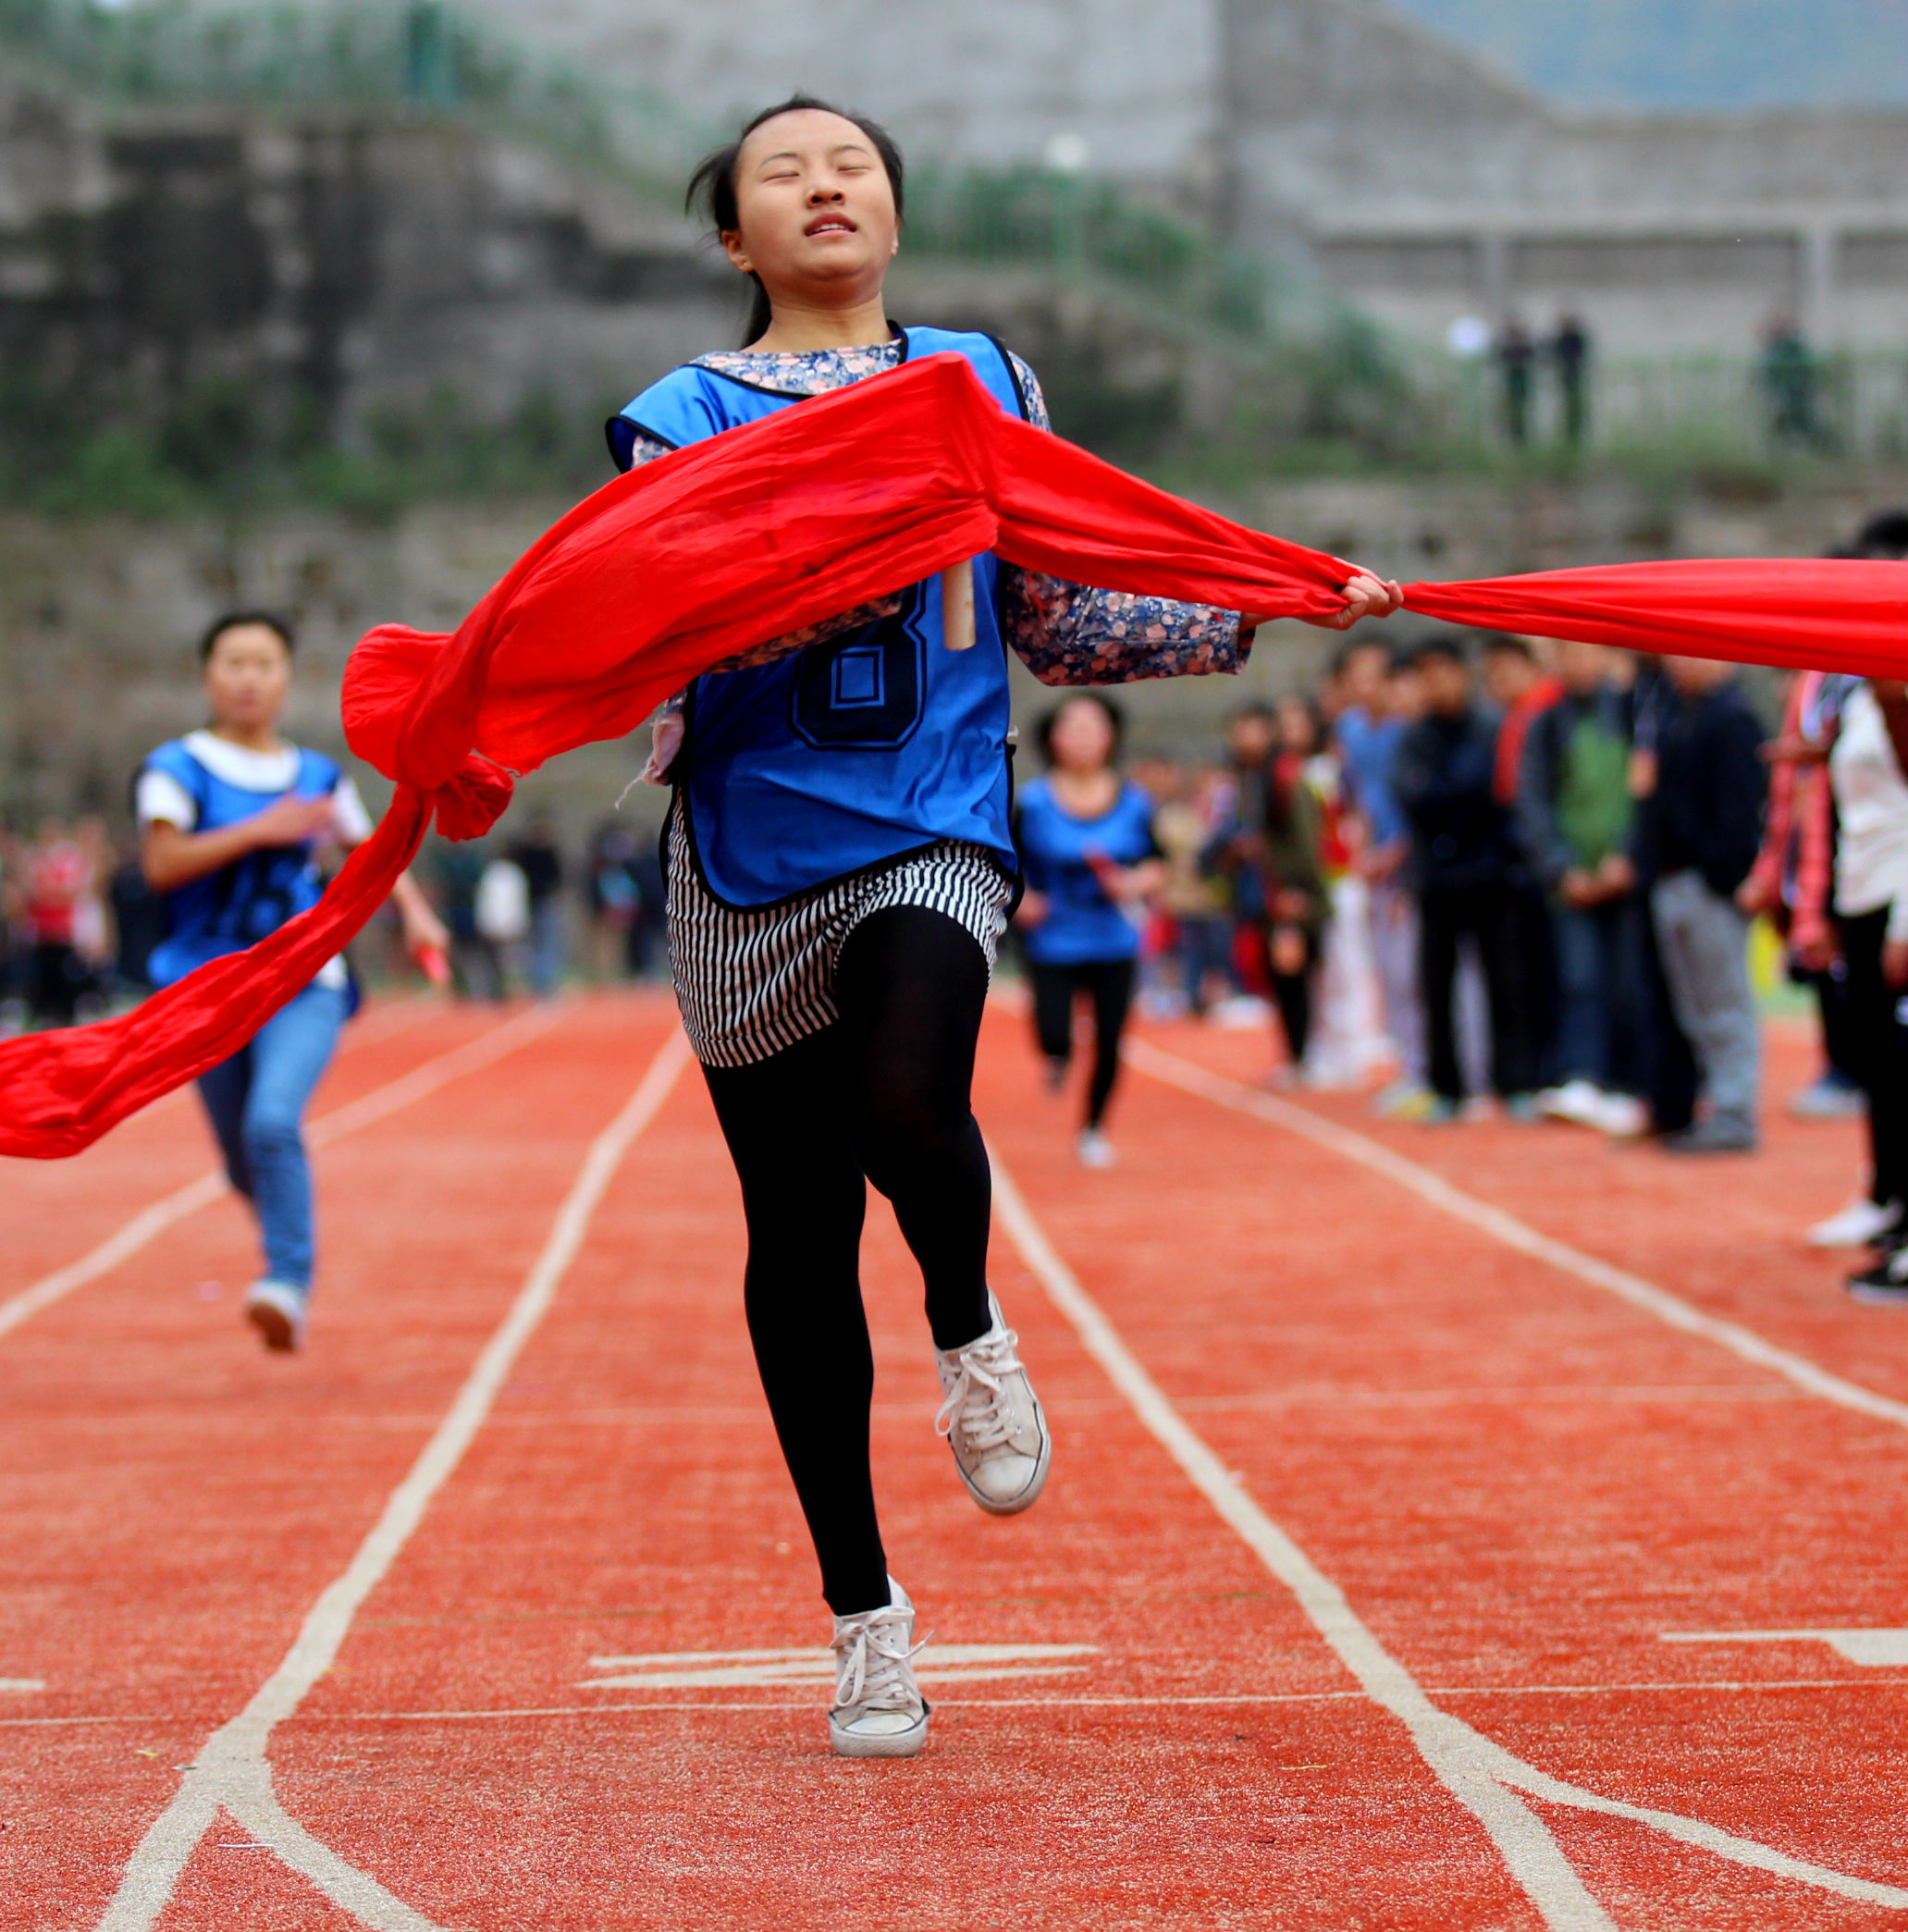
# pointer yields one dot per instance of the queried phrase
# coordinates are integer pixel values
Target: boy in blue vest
(231, 820)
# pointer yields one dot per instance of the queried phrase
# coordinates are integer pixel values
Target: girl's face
(1082, 737)
(815, 210)
(1294, 731)
(248, 678)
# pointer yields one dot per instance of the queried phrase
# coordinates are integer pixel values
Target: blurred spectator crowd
(78, 921)
(1489, 874)
(1481, 875)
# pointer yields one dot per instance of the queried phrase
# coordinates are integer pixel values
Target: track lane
(1501, 1543)
(55, 1211)
(1727, 1232)
(1521, 1485)
(628, 1499)
(173, 1495)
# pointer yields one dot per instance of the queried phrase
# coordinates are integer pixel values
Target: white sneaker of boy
(277, 1309)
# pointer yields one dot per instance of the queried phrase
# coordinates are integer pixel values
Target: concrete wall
(328, 261)
(97, 621)
(1339, 133)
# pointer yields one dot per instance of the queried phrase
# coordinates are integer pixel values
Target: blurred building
(1415, 176)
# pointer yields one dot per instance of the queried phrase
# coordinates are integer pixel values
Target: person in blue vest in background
(1088, 854)
(840, 871)
(231, 819)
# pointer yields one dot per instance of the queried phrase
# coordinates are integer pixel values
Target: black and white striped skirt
(751, 982)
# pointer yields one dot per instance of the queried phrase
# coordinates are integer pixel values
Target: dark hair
(1355, 646)
(711, 192)
(1310, 705)
(232, 620)
(1115, 717)
(1444, 644)
(1885, 535)
(1503, 644)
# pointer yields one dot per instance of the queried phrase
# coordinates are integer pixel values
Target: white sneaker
(992, 1420)
(277, 1310)
(879, 1710)
(1622, 1116)
(1092, 1148)
(1579, 1101)
(1857, 1225)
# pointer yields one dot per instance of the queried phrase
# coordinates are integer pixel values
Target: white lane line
(1873, 1649)
(1671, 1309)
(230, 1772)
(381, 1102)
(1479, 1774)
(1681, 1687)
(1448, 1746)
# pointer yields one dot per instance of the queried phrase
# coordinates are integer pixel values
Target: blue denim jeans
(1599, 969)
(256, 1102)
(548, 939)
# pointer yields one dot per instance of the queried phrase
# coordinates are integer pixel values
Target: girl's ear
(731, 240)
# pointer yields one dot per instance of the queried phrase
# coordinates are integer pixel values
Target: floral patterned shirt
(1064, 634)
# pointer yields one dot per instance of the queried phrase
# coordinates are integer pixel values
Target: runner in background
(232, 819)
(840, 870)
(1089, 859)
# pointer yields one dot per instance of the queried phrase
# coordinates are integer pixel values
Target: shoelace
(873, 1660)
(984, 1365)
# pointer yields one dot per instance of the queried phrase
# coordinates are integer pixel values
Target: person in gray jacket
(1698, 833)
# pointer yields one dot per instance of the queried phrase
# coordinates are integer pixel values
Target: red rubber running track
(1479, 1528)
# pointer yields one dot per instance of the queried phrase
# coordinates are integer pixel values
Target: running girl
(1087, 853)
(840, 871)
(230, 818)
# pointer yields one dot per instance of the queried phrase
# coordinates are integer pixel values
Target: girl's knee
(269, 1136)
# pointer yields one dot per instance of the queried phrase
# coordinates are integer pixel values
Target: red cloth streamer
(666, 572)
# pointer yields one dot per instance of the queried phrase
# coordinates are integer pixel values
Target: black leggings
(1878, 1050)
(883, 1096)
(1109, 983)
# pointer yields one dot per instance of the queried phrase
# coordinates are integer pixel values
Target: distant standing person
(1087, 851)
(1381, 694)
(1288, 849)
(1788, 382)
(1517, 358)
(1871, 909)
(1191, 894)
(1575, 809)
(1569, 356)
(58, 879)
(232, 818)
(1464, 860)
(536, 856)
(1703, 825)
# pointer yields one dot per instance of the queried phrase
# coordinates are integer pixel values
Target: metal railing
(1844, 402)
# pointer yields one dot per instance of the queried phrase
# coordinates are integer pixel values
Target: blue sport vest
(1082, 923)
(241, 903)
(857, 752)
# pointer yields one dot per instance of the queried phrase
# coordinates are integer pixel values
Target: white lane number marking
(1875, 1649)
